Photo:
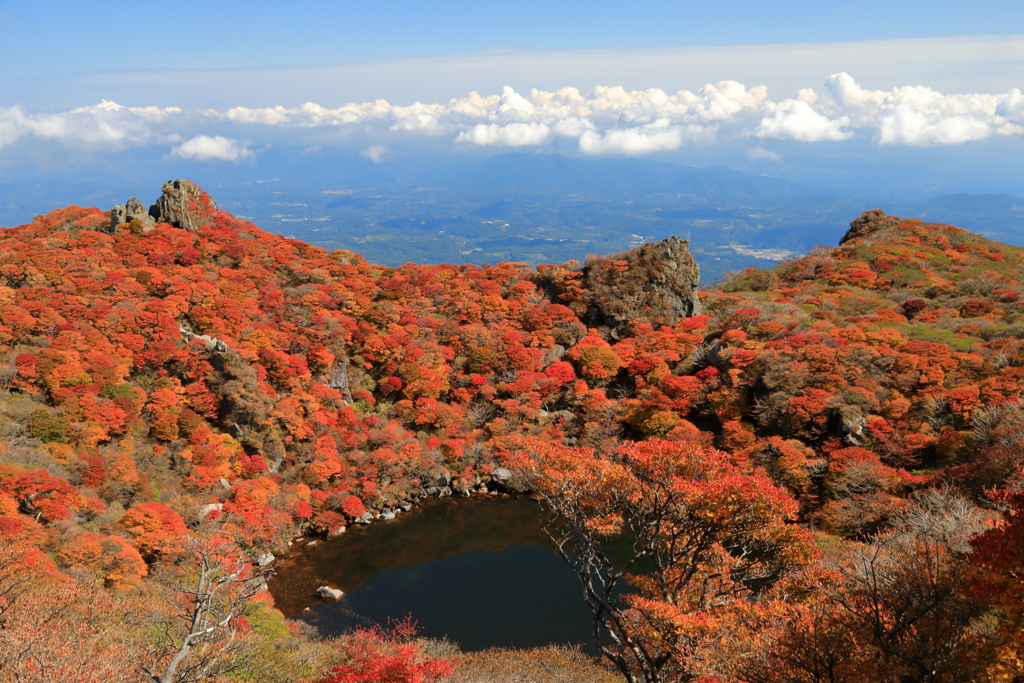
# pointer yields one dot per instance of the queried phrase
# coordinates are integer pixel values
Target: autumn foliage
(154, 381)
(704, 533)
(391, 655)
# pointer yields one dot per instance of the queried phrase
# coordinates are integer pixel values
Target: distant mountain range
(537, 208)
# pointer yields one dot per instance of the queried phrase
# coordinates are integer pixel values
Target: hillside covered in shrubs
(183, 392)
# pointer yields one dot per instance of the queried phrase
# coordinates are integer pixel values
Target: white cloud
(509, 135)
(375, 153)
(760, 152)
(908, 126)
(514, 119)
(571, 127)
(106, 125)
(918, 115)
(658, 136)
(216, 148)
(795, 120)
(308, 115)
(1012, 106)
(606, 120)
(10, 130)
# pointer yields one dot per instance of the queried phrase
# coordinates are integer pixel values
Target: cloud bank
(106, 125)
(605, 121)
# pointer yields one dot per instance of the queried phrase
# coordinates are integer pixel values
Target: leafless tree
(206, 589)
(905, 591)
(896, 609)
(337, 378)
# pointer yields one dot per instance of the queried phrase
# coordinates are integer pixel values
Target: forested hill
(164, 367)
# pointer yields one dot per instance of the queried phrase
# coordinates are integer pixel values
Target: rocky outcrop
(654, 283)
(209, 343)
(132, 210)
(869, 222)
(183, 204)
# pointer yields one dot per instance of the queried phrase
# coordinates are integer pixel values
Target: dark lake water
(478, 571)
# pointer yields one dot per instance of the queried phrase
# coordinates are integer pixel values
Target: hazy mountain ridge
(544, 208)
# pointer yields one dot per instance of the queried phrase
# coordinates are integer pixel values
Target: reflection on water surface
(479, 571)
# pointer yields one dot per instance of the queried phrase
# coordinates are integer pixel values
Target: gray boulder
(852, 430)
(501, 477)
(135, 211)
(117, 217)
(132, 210)
(327, 593)
(438, 476)
(211, 344)
(364, 519)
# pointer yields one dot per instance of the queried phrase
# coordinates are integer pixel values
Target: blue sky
(50, 44)
(220, 82)
(54, 37)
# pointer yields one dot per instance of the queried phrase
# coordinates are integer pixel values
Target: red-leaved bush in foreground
(378, 655)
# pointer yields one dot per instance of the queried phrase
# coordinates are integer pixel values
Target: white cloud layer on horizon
(106, 125)
(608, 120)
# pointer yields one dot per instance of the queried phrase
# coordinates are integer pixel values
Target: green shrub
(48, 428)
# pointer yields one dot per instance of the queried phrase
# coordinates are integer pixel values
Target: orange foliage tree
(702, 533)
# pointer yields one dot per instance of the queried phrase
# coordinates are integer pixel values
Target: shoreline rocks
(498, 483)
(328, 593)
(501, 477)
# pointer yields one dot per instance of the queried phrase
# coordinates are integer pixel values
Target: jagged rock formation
(183, 204)
(654, 283)
(868, 222)
(132, 210)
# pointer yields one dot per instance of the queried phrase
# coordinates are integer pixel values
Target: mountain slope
(156, 376)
